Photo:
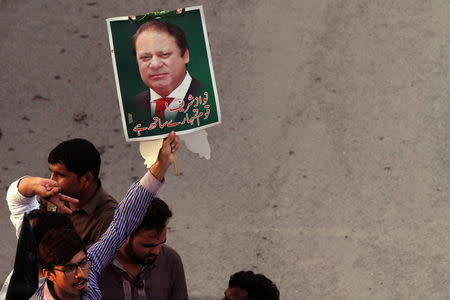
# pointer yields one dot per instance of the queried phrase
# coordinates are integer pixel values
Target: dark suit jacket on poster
(140, 107)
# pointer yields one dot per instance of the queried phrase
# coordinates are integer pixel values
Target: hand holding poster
(163, 72)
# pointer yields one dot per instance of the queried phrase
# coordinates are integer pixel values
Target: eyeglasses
(71, 270)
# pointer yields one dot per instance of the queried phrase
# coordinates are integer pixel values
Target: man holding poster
(162, 54)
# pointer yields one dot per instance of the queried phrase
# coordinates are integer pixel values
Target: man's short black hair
(78, 155)
(58, 247)
(43, 221)
(258, 286)
(169, 28)
(156, 217)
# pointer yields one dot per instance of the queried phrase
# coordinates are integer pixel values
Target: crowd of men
(79, 240)
(89, 246)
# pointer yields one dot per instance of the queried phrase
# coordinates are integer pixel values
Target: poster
(163, 73)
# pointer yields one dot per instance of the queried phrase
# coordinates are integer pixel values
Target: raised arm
(22, 197)
(131, 210)
(19, 204)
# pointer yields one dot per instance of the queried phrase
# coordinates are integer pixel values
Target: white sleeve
(5, 287)
(19, 204)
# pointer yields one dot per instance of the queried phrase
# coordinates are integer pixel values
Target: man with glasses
(73, 272)
(67, 274)
(25, 277)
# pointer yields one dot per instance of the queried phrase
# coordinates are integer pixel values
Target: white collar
(179, 92)
(46, 292)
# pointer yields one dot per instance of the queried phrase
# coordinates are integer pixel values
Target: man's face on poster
(161, 65)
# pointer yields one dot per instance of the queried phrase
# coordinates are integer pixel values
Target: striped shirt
(128, 216)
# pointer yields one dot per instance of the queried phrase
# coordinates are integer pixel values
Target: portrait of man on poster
(163, 72)
(162, 55)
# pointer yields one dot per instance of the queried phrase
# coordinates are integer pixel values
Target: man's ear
(87, 179)
(186, 56)
(50, 275)
(129, 240)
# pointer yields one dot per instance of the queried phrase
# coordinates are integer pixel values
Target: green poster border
(129, 83)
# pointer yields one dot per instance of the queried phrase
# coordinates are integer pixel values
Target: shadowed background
(330, 171)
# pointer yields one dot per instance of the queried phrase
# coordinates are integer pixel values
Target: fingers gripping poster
(163, 73)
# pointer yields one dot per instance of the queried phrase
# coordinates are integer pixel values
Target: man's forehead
(236, 293)
(151, 234)
(77, 258)
(58, 167)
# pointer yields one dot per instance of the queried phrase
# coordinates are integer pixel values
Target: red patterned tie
(161, 105)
